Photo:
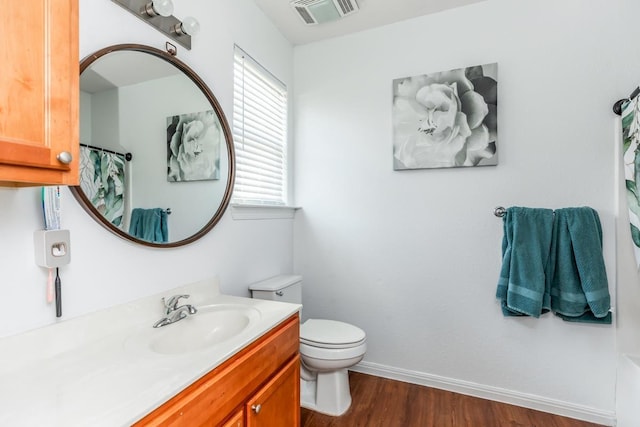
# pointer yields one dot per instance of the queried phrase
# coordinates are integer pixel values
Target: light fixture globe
(159, 7)
(189, 25)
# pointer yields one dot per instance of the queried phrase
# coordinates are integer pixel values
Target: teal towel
(579, 287)
(150, 225)
(523, 288)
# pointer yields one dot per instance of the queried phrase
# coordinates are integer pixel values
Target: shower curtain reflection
(102, 179)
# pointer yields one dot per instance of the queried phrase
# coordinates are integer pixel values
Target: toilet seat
(331, 334)
(335, 354)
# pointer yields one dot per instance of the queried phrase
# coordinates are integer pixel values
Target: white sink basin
(210, 326)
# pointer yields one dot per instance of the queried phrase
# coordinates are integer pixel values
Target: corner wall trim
(530, 401)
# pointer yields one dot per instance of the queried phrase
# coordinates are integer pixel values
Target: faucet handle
(172, 303)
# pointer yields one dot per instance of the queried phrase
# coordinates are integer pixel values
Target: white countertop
(95, 370)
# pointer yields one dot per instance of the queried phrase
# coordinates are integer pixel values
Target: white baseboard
(531, 401)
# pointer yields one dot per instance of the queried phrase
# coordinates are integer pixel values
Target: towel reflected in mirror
(150, 225)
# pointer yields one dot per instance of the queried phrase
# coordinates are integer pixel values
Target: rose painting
(446, 119)
(193, 147)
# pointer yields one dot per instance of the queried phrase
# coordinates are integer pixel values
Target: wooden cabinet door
(277, 404)
(39, 92)
(237, 420)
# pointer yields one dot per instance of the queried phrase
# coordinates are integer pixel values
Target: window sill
(242, 212)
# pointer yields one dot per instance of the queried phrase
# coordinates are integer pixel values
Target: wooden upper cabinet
(39, 92)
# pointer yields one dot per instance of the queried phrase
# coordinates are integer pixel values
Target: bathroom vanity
(260, 384)
(234, 363)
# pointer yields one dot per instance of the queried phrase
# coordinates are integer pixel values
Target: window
(259, 133)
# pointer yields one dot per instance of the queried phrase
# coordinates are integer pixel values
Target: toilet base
(328, 394)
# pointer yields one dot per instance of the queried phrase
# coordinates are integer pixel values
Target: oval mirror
(157, 162)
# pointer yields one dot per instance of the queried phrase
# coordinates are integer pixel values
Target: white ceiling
(372, 13)
(110, 72)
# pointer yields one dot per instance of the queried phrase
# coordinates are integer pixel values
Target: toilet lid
(330, 333)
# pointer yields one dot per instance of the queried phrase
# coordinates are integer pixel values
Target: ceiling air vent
(321, 11)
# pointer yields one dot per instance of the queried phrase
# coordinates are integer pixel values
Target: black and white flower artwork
(193, 147)
(446, 119)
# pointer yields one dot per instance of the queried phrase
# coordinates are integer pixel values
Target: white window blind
(260, 133)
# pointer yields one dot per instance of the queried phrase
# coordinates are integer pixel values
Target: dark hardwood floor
(380, 402)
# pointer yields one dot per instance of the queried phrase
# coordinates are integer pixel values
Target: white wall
(104, 120)
(106, 270)
(85, 118)
(413, 257)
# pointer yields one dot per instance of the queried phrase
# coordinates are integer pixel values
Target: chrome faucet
(175, 312)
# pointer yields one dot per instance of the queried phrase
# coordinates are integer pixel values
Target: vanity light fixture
(158, 14)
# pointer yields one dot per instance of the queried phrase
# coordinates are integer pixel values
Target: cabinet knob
(256, 408)
(279, 293)
(64, 157)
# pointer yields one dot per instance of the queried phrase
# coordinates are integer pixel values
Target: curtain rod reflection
(127, 156)
(617, 107)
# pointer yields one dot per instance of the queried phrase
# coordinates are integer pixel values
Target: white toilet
(327, 349)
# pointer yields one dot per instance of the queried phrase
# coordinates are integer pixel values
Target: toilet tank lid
(275, 283)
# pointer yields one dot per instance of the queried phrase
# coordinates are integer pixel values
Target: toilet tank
(279, 288)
